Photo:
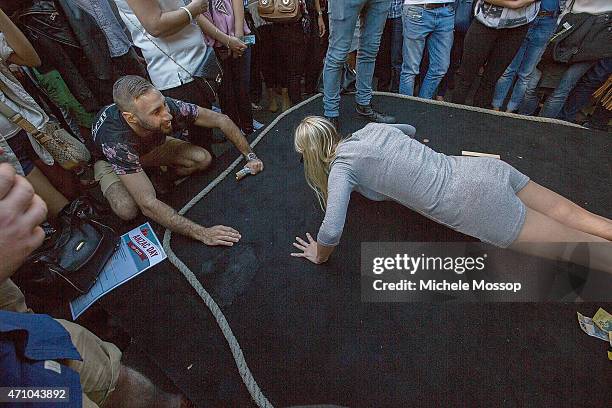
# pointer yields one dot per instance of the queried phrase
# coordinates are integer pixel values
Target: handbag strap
(19, 120)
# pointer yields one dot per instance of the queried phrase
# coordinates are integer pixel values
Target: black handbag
(69, 264)
(581, 37)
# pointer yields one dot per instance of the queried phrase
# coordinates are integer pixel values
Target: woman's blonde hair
(316, 140)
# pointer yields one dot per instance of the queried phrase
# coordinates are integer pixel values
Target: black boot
(373, 116)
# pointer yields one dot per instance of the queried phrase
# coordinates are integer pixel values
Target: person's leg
(418, 23)
(564, 211)
(375, 15)
(581, 94)
(505, 82)
(241, 90)
(554, 103)
(531, 99)
(54, 199)
(535, 239)
(119, 199)
(342, 21)
(185, 158)
(296, 53)
(382, 67)
(448, 82)
(228, 101)
(12, 299)
(507, 44)
(439, 45)
(314, 61)
(397, 39)
(477, 45)
(21, 146)
(536, 41)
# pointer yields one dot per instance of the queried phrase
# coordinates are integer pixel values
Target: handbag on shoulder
(68, 151)
(280, 11)
(68, 264)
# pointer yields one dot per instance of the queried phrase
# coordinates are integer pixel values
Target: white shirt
(186, 47)
(591, 6)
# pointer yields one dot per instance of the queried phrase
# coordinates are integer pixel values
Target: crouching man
(142, 129)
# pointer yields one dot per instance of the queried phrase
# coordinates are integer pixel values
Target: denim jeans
(524, 63)
(589, 83)
(433, 27)
(554, 103)
(389, 58)
(342, 20)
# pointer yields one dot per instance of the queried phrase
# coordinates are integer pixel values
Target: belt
(546, 13)
(430, 6)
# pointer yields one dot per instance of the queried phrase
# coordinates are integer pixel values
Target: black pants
(285, 58)
(193, 93)
(234, 97)
(313, 64)
(484, 45)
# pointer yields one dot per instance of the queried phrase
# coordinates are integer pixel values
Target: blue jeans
(554, 103)
(590, 82)
(342, 20)
(433, 27)
(524, 63)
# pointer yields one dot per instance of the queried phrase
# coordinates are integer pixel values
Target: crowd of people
(130, 80)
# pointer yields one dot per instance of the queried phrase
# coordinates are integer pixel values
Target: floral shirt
(116, 142)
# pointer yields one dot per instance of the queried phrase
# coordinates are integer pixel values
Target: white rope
(482, 110)
(247, 377)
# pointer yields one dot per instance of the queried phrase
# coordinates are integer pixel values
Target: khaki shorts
(163, 155)
(99, 370)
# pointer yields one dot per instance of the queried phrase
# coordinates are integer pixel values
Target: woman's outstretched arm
(340, 186)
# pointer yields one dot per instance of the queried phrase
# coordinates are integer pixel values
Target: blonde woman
(482, 197)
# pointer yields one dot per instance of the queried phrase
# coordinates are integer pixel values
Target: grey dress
(472, 195)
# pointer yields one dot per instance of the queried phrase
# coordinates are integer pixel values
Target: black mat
(305, 333)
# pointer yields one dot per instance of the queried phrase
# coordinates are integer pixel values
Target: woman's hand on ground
(218, 235)
(309, 249)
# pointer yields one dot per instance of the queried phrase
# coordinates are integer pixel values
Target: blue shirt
(29, 345)
(395, 10)
(550, 5)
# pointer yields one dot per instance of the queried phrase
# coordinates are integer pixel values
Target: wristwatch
(320, 12)
(251, 156)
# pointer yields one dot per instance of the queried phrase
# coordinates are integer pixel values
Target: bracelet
(251, 156)
(189, 13)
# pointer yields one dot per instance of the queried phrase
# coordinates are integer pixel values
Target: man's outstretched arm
(209, 119)
(140, 188)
